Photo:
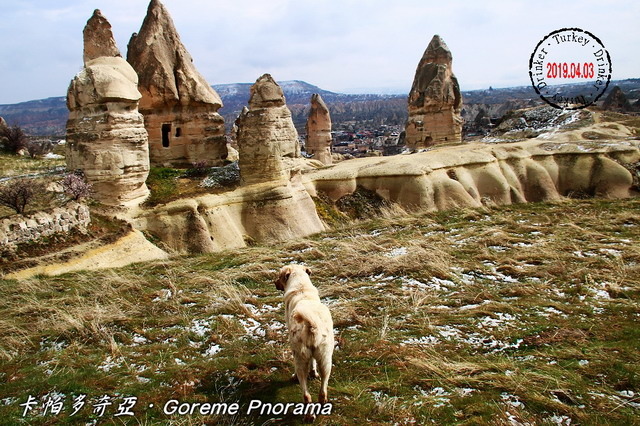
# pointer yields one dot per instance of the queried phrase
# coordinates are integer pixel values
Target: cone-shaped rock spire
(319, 130)
(179, 105)
(435, 100)
(266, 136)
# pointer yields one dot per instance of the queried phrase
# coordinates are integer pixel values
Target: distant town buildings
(382, 140)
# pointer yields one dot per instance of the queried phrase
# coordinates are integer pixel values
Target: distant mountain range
(47, 117)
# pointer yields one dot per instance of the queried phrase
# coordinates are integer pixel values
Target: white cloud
(336, 44)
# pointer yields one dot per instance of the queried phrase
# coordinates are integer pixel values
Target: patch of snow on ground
(465, 391)
(109, 363)
(611, 252)
(560, 420)
(139, 340)
(511, 400)
(200, 327)
(502, 319)
(409, 284)
(46, 345)
(550, 310)
(424, 340)
(52, 156)
(212, 350)
(252, 327)
(396, 252)
(473, 305)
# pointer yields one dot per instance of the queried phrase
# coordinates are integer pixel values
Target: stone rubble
(21, 229)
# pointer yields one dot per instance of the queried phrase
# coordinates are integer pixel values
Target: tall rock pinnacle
(319, 130)
(179, 106)
(435, 100)
(267, 137)
(98, 38)
(106, 138)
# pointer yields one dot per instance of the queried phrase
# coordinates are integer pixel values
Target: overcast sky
(350, 46)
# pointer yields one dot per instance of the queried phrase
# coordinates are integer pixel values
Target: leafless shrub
(16, 194)
(76, 186)
(13, 138)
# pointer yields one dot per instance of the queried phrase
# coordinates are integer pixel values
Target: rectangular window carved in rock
(178, 132)
(166, 131)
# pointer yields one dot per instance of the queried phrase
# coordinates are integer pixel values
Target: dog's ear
(283, 277)
(308, 271)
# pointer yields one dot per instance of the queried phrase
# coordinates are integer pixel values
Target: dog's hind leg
(313, 373)
(302, 372)
(324, 365)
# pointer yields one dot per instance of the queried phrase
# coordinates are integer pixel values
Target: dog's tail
(310, 324)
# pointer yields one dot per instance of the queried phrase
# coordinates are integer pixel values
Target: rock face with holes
(319, 130)
(434, 100)
(267, 139)
(106, 137)
(179, 106)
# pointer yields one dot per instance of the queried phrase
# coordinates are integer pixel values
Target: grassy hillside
(525, 313)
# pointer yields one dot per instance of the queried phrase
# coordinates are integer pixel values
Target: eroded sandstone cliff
(473, 175)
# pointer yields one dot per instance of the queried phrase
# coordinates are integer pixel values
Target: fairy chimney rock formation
(434, 101)
(267, 138)
(319, 130)
(106, 138)
(617, 101)
(179, 106)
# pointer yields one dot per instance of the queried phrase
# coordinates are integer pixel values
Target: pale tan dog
(310, 327)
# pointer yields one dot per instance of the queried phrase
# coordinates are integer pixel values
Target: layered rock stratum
(434, 100)
(106, 138)
(318, 129)
(267, 139)
(179, 106)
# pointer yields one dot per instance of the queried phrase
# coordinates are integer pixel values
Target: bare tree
(13, 138)
(16, 194)
(75, 185)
